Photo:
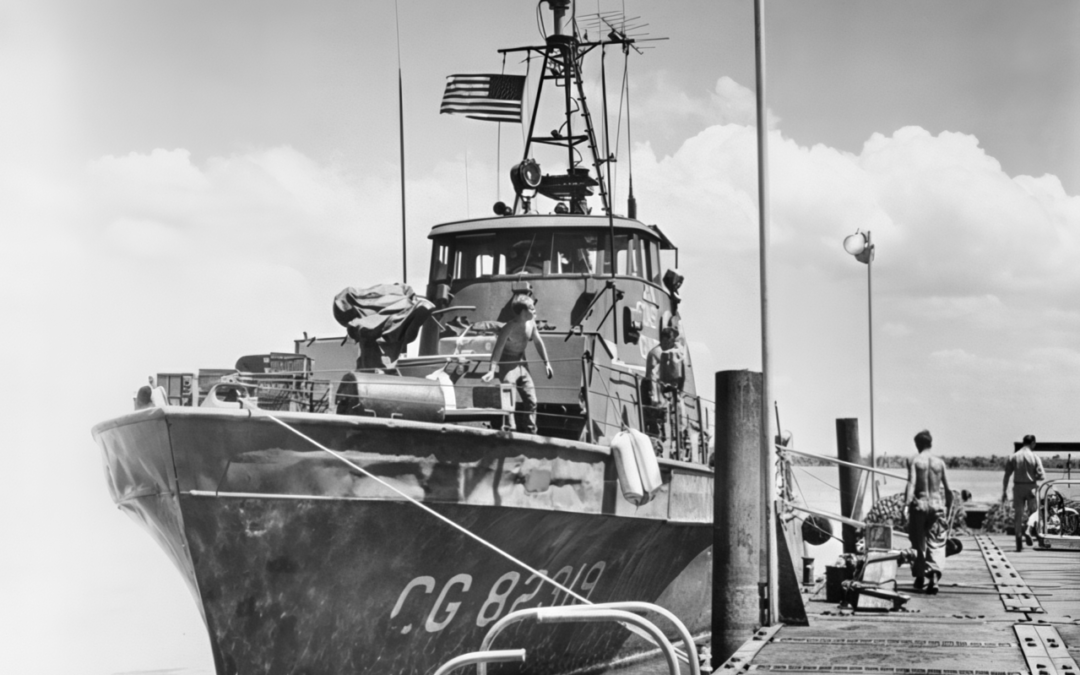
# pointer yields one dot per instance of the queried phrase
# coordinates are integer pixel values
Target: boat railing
(668, 421)
(619, 612)
(678, 421)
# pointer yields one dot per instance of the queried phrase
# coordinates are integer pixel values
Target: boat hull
(332, 586)
(301, 564)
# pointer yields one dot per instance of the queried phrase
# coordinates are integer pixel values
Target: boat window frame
(642, 249)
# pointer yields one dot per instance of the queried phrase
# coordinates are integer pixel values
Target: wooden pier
(998, 612)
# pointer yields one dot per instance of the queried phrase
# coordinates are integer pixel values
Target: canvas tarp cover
(382, 318)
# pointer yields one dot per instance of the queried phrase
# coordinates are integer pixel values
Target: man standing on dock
(928, 497)
(1028, 469)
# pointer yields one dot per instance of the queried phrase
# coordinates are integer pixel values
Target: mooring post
(847, 450)
(739, 561)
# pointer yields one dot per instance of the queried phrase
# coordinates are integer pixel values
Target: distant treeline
(991, 463)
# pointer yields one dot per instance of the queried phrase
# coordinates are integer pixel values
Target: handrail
(589, 615)
(680, 400)
(585, 614)
(632, 605)
(841, 462)
(475, 658)
(313, 395)
(832, 516)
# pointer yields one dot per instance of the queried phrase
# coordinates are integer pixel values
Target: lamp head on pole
(860, 246)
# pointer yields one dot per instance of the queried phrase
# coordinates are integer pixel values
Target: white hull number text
(458, 590)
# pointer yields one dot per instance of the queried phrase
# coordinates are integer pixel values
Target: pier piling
(739, 562)
(847, 450)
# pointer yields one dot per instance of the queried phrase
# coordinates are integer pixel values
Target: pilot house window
(527, 252)
(574, 253)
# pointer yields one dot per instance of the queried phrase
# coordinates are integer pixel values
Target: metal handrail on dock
(636, 606)
(476, 658)
(840, 462)
(604, 612)
(832, 516)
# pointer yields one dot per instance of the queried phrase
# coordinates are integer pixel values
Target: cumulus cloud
(249, 248)
(974, 276)
(672, 114)
(659, 100)
(944, 216)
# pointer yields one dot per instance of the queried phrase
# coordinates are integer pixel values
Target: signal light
(525, 175)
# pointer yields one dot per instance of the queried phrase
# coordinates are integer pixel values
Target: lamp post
(860, 246)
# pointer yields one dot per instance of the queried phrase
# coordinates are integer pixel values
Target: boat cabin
(602, 297)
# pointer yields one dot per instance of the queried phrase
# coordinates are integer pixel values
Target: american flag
(484, 97)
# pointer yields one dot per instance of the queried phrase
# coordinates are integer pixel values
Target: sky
(187, 182)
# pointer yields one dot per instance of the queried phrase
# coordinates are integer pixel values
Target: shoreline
(1050, 465)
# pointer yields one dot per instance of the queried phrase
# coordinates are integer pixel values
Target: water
(817, 485)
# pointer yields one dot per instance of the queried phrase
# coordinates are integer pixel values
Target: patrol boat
(341, 514)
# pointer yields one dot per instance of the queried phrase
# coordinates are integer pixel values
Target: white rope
(543, 577)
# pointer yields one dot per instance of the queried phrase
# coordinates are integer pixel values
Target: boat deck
(998, 612)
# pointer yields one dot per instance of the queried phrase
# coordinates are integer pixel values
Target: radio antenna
(401, 143)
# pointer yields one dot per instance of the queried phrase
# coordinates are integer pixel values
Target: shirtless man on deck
(509, 355)
(928, 497)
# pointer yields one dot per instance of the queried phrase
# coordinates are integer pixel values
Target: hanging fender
(636, 464)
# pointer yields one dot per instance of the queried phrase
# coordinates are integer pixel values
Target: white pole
(870, 329)
(768, 476)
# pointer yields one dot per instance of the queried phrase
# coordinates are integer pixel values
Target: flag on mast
(484, 97)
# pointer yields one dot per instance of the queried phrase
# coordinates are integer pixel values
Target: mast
(563, 54)
(562, 57)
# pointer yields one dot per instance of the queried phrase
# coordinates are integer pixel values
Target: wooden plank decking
(998, 612)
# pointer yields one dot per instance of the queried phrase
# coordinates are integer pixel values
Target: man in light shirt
(1028, 471)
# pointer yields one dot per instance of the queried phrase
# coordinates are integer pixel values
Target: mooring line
(254, 412)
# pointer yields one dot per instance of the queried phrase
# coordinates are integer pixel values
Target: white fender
(447, 386)
(638, 469)
(158, 397)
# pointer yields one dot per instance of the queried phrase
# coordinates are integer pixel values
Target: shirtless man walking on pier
(928, 497)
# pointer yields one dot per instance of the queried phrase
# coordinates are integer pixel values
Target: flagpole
(771, 605)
